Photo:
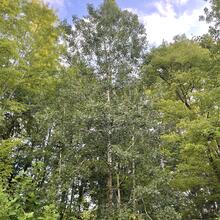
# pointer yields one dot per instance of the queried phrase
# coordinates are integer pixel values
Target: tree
(94, 127)
(189, 103)
(29, 68)
(212, 16)
(111, 42)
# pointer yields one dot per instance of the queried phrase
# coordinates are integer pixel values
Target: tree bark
(118, 187)
(134, 186)
(109, 158)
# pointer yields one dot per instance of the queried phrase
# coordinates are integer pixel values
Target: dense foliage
(94, 125)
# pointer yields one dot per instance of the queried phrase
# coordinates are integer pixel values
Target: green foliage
(93, 127)
(112, 42)
(49, 213)
(188, 102)
(6, 162)
(11, 208)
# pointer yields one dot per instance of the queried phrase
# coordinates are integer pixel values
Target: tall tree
(188, 100)
(29, 65)
(111, 43)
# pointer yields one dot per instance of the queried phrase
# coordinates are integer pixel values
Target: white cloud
(165, 23)
(182, 2)
(165, 8)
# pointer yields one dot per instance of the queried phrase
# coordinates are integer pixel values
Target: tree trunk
(72, 196)
(109, 158)
(134, 186)
(118, 187)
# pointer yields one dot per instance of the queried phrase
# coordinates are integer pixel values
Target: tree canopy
(94, 124)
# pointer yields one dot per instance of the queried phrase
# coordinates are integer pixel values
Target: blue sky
(163, 19)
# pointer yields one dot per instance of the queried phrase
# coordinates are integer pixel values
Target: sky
(163, 19)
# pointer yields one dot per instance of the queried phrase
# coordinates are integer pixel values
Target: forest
(95, 124)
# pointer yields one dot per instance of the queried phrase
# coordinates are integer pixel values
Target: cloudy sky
(163, 18)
